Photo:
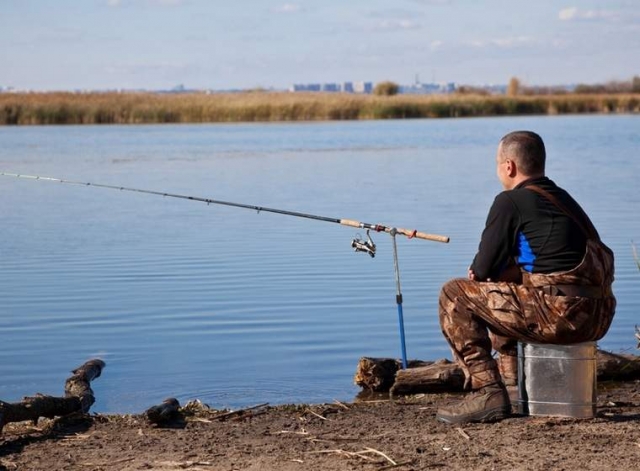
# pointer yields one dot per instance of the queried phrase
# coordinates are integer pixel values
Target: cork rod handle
(406, 232)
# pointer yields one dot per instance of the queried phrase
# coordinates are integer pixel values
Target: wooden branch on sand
(441, 376)
(378, 374)
(78, 397)
(385, 374)
(617, 367)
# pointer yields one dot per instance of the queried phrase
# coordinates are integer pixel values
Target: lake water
(238, 308)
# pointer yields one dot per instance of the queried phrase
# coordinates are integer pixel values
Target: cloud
(568, 13)
(394, 13)
(433, 2)
(288, 8)
(513, 42)
(573, 14)
(118, 3)
(435, 45)
(504, 43)
(395, 25)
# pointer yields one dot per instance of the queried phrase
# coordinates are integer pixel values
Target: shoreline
(150, 108)
(401, 434)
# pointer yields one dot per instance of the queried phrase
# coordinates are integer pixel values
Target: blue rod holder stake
(403, 345)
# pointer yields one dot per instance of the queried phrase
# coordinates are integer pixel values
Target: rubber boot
(488, 404)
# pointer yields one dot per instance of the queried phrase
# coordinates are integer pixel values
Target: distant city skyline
(158, 44)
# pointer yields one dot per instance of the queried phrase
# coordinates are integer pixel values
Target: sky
(231, 44)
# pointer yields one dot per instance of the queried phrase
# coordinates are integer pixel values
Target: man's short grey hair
(527, 149)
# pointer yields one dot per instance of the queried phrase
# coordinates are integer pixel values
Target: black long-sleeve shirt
(524, 226)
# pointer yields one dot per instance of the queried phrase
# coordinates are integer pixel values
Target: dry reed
(138, 108)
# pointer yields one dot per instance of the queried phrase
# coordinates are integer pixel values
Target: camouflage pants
(477, 317)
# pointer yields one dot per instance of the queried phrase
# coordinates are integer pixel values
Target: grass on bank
(138, 108)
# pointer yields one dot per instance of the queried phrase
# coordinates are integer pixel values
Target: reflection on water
(237, 308)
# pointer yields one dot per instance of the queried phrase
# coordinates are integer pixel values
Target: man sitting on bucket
(541, 275)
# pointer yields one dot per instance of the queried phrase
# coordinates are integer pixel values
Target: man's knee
(450, 302)
(447, 298)
(452, 289)
(452, 293)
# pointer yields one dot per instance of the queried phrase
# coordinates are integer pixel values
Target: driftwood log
(617, 367)
(441, 376)
(78, 397)
(385, 374)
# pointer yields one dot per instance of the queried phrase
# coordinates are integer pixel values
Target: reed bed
(139, 108)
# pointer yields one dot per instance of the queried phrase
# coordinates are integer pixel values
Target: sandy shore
(376, 435)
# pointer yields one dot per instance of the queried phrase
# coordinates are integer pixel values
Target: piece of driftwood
(385, 374)
(78, 397)
(617, 366)
(440, 376)
(164, 413)
(378, 374)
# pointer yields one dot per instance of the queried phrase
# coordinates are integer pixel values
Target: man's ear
(512, 169)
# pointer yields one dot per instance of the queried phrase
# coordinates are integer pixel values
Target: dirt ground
(374, 435)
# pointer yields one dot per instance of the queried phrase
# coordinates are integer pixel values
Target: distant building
(496, 89)
(308, 87)
(428, 88)
(347, 87)
(450, 87)
(362, 87)
(330, 87)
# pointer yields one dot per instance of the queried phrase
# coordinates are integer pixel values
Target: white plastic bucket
(557, 380)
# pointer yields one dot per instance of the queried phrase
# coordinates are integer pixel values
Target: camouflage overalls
(539, 310)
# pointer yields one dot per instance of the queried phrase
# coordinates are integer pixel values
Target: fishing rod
(345, 222)
(358, 244)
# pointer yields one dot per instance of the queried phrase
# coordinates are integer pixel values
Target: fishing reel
(366, 246)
